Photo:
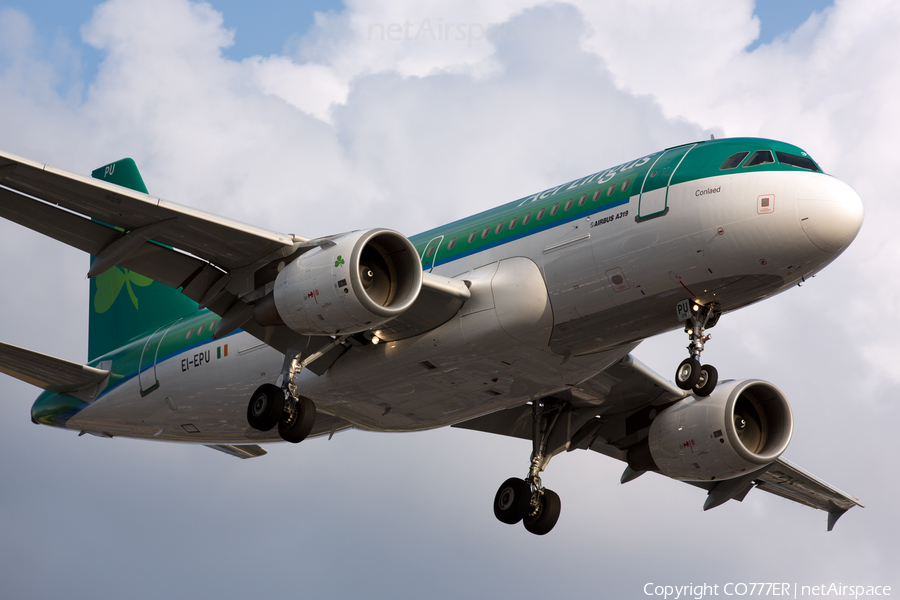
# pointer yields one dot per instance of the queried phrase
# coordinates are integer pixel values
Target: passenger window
(554, 209)
(472, 236)
(430, 251)
(526, 219)
(189, 333)
(486, 231)
(733, 161)
(513, 222)
(499, 227)
(451, 244)
(626, 184)
(540, 214)
(200, 329)
(760, 157)
(212, 326)
(797, 161)
(569, 204)
(611, 190)
(597, 194)
(582, 200)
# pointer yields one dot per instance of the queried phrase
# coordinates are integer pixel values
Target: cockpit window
(733, 161)
(760, 157)
(793, 160)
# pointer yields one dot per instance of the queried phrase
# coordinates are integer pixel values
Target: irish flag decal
(222, 351)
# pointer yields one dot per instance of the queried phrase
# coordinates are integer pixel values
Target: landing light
(375, 339)
(696, 307)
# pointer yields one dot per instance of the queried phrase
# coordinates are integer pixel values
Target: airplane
(518, 321)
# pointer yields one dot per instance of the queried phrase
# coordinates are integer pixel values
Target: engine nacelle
(363, 280)
(740, 427)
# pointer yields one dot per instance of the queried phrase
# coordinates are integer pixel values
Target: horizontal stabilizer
(242, 451)
(47, 372)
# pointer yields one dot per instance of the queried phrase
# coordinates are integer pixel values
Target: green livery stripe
(598, 192)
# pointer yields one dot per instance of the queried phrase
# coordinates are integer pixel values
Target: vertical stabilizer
(125, 305)
(122, 172)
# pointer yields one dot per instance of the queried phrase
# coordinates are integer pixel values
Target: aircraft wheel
(302, 424)
(512, 501)
(547, 516)
(688, 373)
(266, 407)
(709, 377)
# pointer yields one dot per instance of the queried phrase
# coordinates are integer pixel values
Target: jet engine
(347, 284)
(740, 427)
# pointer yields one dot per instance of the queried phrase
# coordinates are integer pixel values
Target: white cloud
(348, 132)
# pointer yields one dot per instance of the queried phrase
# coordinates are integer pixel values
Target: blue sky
(265, 30)
(778, 17)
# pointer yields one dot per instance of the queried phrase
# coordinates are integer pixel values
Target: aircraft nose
(830, 212)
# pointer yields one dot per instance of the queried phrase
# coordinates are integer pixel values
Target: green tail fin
(122, 172)
(126, 305)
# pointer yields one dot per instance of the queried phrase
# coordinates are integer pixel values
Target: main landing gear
(271, 405)
(527, 500)
(691, 375)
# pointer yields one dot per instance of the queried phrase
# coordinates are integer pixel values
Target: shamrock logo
(109, 285)
(339, 261)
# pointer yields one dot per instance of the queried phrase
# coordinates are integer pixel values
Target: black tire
(688, 373)
(709, 377)
(547, 516)
(513, 500)
(303, 423)
(266, 407)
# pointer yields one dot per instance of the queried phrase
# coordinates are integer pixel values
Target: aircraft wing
(217, 262)
(50, 373)
(222, 242)
(612, 411)
(790, 481)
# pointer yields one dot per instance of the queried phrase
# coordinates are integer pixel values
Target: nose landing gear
(527, 500)
(691, 375)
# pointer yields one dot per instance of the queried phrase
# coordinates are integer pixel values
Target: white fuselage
(547, 311)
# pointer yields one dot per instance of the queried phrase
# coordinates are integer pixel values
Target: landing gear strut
(691, 375)
(527, 500)
(282, 404)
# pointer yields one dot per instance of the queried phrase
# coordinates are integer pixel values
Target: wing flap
(150, 260)
(48, 372)
(74, 230)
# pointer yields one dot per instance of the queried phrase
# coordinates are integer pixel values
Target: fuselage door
(147, 371)
(653, 200)
(430, 253)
